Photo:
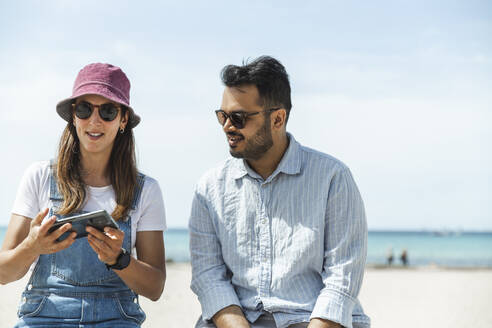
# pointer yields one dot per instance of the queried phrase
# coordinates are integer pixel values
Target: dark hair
(122, 171)
(268, 75)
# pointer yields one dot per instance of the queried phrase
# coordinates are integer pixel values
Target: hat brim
(64, 107)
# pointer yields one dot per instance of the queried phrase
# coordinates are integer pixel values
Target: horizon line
(443, 231)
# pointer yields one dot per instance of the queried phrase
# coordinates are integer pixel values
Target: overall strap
(138, 190)
(54, 193)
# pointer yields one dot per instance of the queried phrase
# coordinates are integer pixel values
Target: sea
(446, 249)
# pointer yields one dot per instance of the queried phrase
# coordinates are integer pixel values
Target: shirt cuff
(214, 300)
(334, 306)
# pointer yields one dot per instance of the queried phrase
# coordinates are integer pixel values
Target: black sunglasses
(107, 111)
(238, 119)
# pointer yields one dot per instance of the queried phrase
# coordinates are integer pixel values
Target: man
(278, 232)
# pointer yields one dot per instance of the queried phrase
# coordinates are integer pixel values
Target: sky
(400, 91)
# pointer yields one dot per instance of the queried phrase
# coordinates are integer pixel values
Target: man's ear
(278, 119)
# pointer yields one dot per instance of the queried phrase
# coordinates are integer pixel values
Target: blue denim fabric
(72, 288)
(46, 309)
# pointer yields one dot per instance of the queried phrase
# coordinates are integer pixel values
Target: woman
(88, 281)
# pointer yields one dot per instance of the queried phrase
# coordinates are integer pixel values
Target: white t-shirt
(34, 195)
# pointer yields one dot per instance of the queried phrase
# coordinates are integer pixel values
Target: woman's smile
(94, 135)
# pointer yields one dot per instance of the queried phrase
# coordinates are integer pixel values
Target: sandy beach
(423, 297)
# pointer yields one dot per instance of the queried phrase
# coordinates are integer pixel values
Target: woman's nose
(95, 117)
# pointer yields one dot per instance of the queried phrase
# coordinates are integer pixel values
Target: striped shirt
(293, 245)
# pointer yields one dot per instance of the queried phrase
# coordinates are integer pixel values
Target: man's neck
(268, 163)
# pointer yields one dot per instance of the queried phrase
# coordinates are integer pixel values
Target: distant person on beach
(92, 281)
(389, 256)
(278, 233)
(404, 257)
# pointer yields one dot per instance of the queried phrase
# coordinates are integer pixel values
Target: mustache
(234, 134)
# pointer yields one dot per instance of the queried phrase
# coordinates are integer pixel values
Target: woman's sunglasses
(238, 119)
(107, 111)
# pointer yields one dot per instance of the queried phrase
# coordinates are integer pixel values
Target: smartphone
(97, 219)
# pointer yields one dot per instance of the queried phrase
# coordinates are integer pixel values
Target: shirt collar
(290, 163)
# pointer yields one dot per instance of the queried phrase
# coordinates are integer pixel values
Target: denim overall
(72, 288)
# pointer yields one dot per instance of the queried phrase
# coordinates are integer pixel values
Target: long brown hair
(122, 171)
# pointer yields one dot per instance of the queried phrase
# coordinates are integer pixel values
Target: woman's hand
(106, 244)
(25, 240)
(40, 241)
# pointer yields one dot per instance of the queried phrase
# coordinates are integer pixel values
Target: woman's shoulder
(151, 205)
(148, 180)
(39, 166)
(150, 184)
(33, 191)
(39, 170)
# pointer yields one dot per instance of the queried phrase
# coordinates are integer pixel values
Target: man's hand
(230, 317)
(322, 323)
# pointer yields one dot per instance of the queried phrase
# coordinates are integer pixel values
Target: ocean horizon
(440, 248)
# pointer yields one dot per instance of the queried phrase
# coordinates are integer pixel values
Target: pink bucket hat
(104, 80)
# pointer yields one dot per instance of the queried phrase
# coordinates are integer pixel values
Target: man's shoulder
(312, 157)
(219, 173)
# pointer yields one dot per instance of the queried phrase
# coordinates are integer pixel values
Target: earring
(122, 130)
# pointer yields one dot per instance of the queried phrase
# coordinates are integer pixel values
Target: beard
(258, 144)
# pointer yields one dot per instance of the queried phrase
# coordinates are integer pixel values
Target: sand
(429, 297)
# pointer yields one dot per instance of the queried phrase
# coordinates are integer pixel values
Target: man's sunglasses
(238, 119)
(107, 111)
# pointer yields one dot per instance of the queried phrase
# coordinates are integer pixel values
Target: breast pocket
(79, 264)
(236, 230)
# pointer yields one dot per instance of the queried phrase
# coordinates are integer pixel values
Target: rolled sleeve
(335, 307)
(215, 299)
(345, 251)
(211, 279)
